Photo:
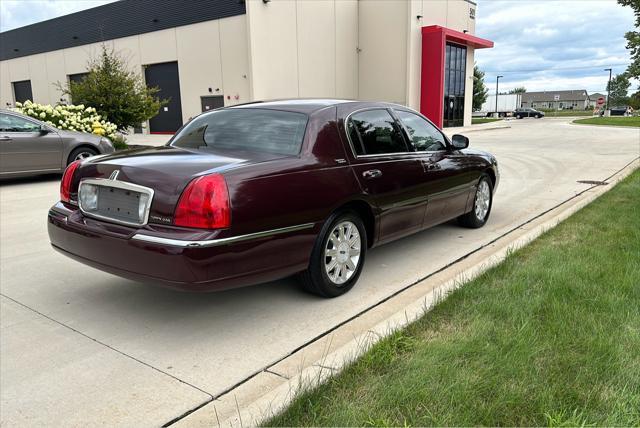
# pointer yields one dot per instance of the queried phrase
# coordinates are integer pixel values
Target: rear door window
(374, 132)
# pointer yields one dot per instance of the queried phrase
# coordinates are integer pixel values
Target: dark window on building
(424, 136)
(375, 132)
(78, 77)
(22, 91)
(454, 84)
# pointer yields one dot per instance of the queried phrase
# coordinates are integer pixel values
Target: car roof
(301, 105)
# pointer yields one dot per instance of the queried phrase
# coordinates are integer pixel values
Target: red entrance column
(434, 40)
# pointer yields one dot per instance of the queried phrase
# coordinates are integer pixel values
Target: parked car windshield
(263, 130)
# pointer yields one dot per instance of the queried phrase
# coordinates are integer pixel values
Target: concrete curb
(272, 390)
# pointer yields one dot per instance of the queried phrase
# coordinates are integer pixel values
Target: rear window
(262, 130)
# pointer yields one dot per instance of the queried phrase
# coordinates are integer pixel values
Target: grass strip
(551, 336)
(478, 121)
(633, 121)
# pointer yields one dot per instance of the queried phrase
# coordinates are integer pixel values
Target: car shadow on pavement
(29, 180)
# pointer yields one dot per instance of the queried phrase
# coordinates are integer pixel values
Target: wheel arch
(80, 146)
(492, 175)
(365, 211)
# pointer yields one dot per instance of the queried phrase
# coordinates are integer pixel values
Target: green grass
(477, 121)
(551, 336)
(633, 121)
(567, 113)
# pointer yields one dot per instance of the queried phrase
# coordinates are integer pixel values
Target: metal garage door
(165, 77)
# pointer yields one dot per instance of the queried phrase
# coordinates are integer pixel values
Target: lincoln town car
(261, 191)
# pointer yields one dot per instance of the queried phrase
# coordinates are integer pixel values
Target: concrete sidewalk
(147, 139)
(81, 347)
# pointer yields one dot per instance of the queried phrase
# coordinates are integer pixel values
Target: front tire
(81, 153)
(337, 257)
(482, 203)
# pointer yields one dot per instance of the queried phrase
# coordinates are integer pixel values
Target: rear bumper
(120, 251)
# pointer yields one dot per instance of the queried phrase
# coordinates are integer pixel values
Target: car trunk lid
(166, 170)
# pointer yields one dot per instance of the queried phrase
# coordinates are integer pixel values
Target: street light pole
(497, 79)
(606, 106)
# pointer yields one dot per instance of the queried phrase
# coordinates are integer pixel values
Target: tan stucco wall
(390, 39)
(454, 14)
(210, 54)
(382, 30)
(303, 48)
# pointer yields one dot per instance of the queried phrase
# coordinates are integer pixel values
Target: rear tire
(81, 153)
(482, 203)
(337, 257)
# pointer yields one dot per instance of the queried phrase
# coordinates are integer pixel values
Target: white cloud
(553, 44)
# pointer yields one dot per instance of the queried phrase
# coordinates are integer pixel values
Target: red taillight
(65, 184)
(204, 204)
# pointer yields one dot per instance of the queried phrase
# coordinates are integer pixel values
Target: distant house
(557, 100)
(593, 99)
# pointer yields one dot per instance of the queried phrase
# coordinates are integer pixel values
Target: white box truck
(507, 103)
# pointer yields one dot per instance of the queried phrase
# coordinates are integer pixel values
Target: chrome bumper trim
(218, 242)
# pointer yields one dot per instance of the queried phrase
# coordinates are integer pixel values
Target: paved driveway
(80, 347)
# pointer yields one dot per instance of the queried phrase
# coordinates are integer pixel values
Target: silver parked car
(29, 146)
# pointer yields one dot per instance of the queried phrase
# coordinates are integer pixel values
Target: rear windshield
(263, 130)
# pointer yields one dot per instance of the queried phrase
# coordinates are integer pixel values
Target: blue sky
(542, 44)
(568, 43)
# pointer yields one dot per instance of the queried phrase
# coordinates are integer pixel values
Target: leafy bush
(69, 117)
(115, 91)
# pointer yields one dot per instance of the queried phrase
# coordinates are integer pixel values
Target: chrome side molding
(218, 242)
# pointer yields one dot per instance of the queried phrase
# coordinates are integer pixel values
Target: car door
(26, 146)
(448, 174)
(388, 170)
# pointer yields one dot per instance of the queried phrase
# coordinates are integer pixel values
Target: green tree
(518, 90)
(634, 100)
(619, 88)
(633, 39)
(115, 91)
(480, 91)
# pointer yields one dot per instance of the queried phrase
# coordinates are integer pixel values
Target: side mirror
(43, 130)
(459, 142)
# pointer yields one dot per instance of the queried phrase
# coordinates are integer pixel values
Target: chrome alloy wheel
(342, 252)
(483, 199)
(83, 155)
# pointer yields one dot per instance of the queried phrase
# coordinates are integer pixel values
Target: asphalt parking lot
(82, 347)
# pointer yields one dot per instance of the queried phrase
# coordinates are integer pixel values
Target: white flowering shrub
(69, 117)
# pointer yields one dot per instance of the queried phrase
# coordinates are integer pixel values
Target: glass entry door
(454, 85)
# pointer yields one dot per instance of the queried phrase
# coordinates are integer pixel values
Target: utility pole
(497, 79)
(606, 105)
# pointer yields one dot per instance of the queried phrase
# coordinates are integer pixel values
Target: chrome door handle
(372, 173)
(5, 139)
(431, 166)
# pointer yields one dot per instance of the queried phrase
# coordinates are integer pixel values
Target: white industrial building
(204, 54)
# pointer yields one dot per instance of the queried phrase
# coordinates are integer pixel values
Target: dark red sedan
(261, 191)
